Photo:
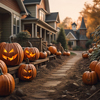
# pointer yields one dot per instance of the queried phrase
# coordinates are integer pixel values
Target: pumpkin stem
(89, 69)
(27, 61)
(1, 72)
(30, 44)
(98, 58)
(43, 50)
(10, 38)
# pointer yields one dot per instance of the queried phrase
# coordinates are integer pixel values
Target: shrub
(78, 48)
(88, 43)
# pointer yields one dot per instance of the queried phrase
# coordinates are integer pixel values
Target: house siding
(6, 27)
(32, 9)
(52, 24)
(0, 21)
(42, 5)
(82, 43)
(11, 4)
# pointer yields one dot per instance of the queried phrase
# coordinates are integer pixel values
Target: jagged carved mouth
(27, 77)
(9, 58)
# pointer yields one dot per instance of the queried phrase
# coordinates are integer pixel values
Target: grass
(72, 53)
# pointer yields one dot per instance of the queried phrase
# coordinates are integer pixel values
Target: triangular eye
(11, 51)
(5, 50)
(27, 51)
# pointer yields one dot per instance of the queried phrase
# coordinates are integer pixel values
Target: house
(11, 12)
(40, 22)
(77, 37)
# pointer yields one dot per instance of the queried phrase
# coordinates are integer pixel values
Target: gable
(70, 36)
(11, 4)
(41, 5)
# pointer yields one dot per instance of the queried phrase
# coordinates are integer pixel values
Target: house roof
(74, 24)
(32, 1)
(68, 30)
(82, 24)
(83, 37)
(53, 17)
(22, 7)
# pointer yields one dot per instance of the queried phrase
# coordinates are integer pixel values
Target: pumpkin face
(58, 53)
(11, 53)
(52, 49)
(89, 78)
(31, 53)
(43, 55)
(3, 67)
(93, 65)
(27, 72)
(7, 84)
(85, 55)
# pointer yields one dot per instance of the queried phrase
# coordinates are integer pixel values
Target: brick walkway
(55, 78)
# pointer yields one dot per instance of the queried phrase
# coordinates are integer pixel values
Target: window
(16, 24)
(41, 15)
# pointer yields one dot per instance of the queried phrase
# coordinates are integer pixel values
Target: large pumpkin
(7, 84)
(89, 77)
(3, 67)
(43, 55)
(52, 49)
(97, 69)
(93, 65)
(11, 53)
(32, 53)
(27, 72)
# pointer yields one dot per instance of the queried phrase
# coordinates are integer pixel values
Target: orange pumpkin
(68, 53)
(7, 84)
(32, 53)
(43, 55)
(90, 50)
(27, 71)
(85, 55)
(89, 77)
(48, 53)
(58, 53)
(97, 69)
(64, 53)
(93, 65)
(52, 49)
(3, 67)
(11, 53)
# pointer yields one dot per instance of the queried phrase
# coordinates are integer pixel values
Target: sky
(68, 8)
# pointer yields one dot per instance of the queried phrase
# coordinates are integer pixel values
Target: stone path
(55, 78)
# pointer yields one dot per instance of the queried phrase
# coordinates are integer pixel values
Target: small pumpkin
(52, 49)
(3, 67)
(68, 53)
(85, 55)
(27, 71)
(43, 55)
(64, 53)
(11, 53)
(32, 53)
(7, 84)
(89, 77)
(90, 50)
(58, 53)
(93, 65)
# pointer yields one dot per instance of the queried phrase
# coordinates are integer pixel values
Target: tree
(62, 38)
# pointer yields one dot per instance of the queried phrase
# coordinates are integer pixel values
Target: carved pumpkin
(3, 67)
(90, 50)
(7, 84)
(32, 53)
(43, 55)
(58, 53)
(97, 69)
(11, 53)
(48, 53)
(85, 55)
(27, 71)
(89, 77)
(68, 53)
(52, 49)
(93, 65)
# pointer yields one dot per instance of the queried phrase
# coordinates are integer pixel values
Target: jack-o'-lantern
(11, 53)
(27, 71)
(32, 53)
